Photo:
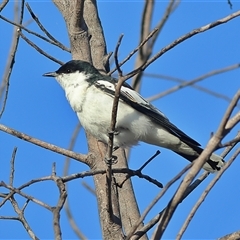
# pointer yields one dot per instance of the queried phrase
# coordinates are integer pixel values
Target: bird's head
(73, 72)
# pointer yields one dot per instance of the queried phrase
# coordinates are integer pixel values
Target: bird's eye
(68, 70)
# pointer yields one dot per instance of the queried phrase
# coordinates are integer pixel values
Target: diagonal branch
(135, 50)
(194, 81)
(205, 193)
(175, 79)
(146, 51)
(135, 235)
(39, 49)
(11, 58)
(3, 5)
(77, 156)
(180, 40)
(33, 33)
(197, 165)
(60, 45)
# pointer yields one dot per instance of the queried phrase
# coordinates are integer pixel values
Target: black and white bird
(91, 95)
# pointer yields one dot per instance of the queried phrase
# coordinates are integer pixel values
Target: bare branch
(175, 79)
(194, 81)
(231, 236)
(205, 193)
(146, 51)
(135, 50)
(60, 45)
(146, 24)
(180, 40)
(136, 235)
(197, 165)
(16, 190)
(22, 219)
(77, 156)
(233, 121)
(58, 208)
(115, 107)
(89, 188)
(3, 5)
(65, 172)
(97, 39)
(12, 166)
(39, 49)
(33, 33)
(109, 157)
(169, 10)
(138, 173)
(11, 58)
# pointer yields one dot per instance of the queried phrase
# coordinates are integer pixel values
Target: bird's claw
(115, 132)
(111, 161)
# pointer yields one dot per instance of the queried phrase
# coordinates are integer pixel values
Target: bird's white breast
(95, 116)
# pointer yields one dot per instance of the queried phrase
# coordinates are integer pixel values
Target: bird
(91, 96)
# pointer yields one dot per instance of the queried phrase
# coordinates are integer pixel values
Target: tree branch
(197, 165)
(180, 40)
(77, 156)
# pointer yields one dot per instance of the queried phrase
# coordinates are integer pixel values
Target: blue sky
(37, 106)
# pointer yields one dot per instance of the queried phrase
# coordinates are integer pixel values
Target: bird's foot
(115, 132)
(111, 161)
(115, 148)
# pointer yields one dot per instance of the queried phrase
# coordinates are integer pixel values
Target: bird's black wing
(135, 100)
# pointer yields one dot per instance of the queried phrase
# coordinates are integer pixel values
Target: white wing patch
(131, 95)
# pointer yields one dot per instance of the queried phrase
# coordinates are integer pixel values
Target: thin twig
(230, 4)
(109, 157)
(65, 172)
(146, 23)
(197, 165)
(205, 193)
(149, 160)
(194, 81)
(16, 190)
(33, 33)
(3, 5)
(22, 219)
(12, 166)
(231, 142)
(89, 188)
(128, 171)
(56, 210)
(132, 234)
(71, 147)
(11, 58)
(180, 40)
(135, 50)
(60, 45)
(39, 49)
(175, 79)
(138, 173)
(169, 10)
(77, 156)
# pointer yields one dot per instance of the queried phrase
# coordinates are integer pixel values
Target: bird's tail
(213, 164)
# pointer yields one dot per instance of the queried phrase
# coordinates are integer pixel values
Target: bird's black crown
(77, 65)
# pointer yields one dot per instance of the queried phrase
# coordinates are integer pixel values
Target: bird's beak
(50, 74)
